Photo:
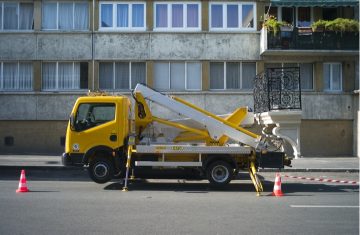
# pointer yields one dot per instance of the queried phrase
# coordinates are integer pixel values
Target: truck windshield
(93, 114)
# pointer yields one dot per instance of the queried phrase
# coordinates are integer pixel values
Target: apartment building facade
(207, 52)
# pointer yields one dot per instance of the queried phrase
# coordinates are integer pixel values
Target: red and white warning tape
(321, 180)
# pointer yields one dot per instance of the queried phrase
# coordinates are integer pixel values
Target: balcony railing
(305, 39)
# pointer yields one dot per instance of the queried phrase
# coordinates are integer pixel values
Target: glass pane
(138, 15)
(161, 15)
(81, 20)
(216, 16)
(65, 76)
(193, 15)
(248, 75)
(177, 15)
(306, 76)
(10, 74)
(232, 75)
(247, 16)
(10, 16)
(106, 76)
(49, 14)
(138, 73)
(216, 75)
(106, 15)
(25, 76)
(336, 77)
(66, 16)
(161, 76)
(49, 76)
(326, 72)
(122, 75)
(232, 16)
(177, 76)
(1, 26)
(287, 14)
(26, 16)
(304, 17)
(122, 15)
(193, 76)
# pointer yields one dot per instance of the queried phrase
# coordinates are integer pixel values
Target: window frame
(115, 13)
(2, 22)
(185, 73)
(184, 28)
(331, 77)
(114, 73)
(225, 77)
(57, 76)
(2, 89)
(224, 27)
(57, 17)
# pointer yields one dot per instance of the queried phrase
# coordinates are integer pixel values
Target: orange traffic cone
(22, 183)
(277, 186)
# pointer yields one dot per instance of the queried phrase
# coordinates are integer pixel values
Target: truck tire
(101, 170)
(219, 173)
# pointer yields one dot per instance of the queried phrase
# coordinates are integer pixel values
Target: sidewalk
(334, 164)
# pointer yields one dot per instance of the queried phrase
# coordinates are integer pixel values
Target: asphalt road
(67, 203)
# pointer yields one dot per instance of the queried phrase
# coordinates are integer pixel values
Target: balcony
(304, 41)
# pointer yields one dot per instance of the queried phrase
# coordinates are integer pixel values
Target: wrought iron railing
(277, 89)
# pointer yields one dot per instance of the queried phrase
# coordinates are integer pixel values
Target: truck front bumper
(72, 159)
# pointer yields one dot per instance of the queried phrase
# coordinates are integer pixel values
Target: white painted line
(322, 206)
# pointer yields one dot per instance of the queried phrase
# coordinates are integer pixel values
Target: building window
(16, 76)
(122, 16)
(329, 13)
(64, 76)
(16, 16)
(232, 16)
(306, 73)
(332, 76)
(232, 75)
(287, 15)
(65, 15)
(304, 16)
(121, 75)
(177, 16)
(177, 76)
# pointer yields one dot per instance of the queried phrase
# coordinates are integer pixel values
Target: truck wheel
(101, 170)
(219, 173)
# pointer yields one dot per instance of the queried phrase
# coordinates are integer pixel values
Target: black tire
(101, 170)
(219, 173)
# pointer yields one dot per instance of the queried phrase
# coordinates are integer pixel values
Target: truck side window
(93, 114)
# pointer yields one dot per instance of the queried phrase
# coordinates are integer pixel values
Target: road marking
(322, 206)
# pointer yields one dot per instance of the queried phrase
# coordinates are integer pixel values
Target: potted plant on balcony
(272, 24)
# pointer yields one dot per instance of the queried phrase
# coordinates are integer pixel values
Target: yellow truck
(111, 135)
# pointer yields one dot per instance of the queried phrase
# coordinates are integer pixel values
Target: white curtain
(138, 15)
(106, 75)
(106, 15)
(10, 74)
(161, 75)
(193, 76)
(1, 27)
(247, 16)
(66, 12)
(49, 15)
(232, 16)
(336, 77)
(232, 75)
(122, 15)
(248, 75)
(122, 75)
(49, 76)
(10, 16)
(161, 15)
(26, 16)
(193, 15)
(81, 16)
(177, 15)
(216, 16)
(177, 76)
(138, 73)
(25, 76)
(216, 75)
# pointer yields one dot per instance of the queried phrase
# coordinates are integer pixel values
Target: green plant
(320, 24)
(272, 24)
(337, 25)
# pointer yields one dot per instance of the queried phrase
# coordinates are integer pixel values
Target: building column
(205, 76)
(37, 75)
(150, 73)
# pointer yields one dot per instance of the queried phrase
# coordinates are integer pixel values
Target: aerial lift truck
(110, 136)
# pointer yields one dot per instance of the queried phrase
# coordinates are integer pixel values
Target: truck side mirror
(72, 122)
